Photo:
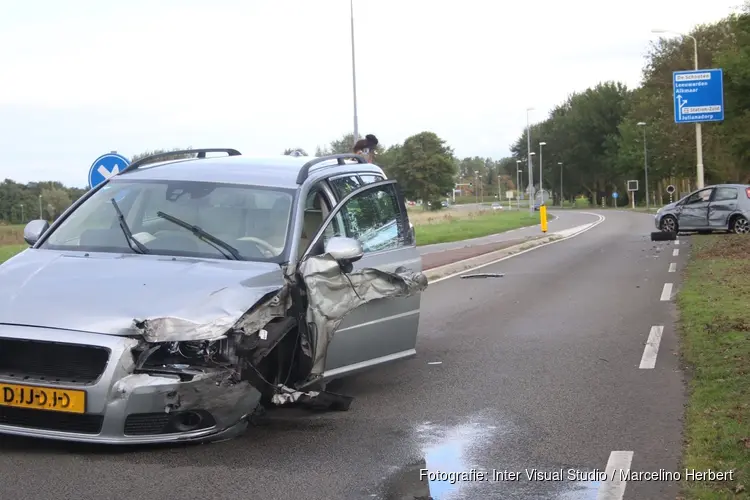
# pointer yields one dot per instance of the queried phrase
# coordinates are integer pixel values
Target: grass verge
(715, 328)
(473, 225)
(8, 251)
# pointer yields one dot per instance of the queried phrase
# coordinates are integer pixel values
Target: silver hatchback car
(724, 207)
(174, 300)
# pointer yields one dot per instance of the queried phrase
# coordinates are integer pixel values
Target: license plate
(42, 398)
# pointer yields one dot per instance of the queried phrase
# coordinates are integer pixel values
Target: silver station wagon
(174, 300)
(724, 207)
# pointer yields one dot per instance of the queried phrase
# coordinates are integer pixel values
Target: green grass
(479, 224)
(714, 308)
(8, 251)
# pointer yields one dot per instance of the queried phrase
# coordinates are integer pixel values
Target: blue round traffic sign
(615, 195)
(105, 167)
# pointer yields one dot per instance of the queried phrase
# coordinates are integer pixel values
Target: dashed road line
(613, 488)
(673, 267)
(675, 252)
(676, 242)
(648, 361)
(666, 292)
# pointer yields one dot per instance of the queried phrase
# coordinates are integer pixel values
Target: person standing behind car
(366, 147)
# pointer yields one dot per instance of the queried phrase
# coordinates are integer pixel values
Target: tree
(345, 144)
(290, 151)
(425, 168)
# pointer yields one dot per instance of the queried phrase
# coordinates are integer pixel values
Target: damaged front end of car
(215, 363)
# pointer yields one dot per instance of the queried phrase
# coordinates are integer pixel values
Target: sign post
(698, 97)
(615, 195)
(106, 166)
(632, 188)
(670, 190)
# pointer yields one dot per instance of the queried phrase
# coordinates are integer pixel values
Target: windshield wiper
(205, 236)
(133, 243)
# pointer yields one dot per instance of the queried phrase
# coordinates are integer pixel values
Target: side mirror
(345, 251)
(34, 230)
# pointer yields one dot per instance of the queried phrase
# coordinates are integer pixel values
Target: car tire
(668, 224)
(739, 225)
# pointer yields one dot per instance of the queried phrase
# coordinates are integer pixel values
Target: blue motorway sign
(615, 195)
(698, 96)
(105, 167)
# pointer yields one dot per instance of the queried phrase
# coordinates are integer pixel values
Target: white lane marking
(648, 360)
(666, 292)
(586, 227)
(614, 486)
(676, 242)
(675, 252)
(673, 267)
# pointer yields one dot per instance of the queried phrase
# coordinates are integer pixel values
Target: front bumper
(123, 407)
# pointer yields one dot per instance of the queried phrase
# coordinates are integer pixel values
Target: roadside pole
(543, 217)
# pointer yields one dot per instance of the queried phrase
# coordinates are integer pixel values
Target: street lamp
(645, 159)
(518, 184)
(541, 186)
(698, 128)
(476, 185)
(528, 150)
(354, 75)
(40, 207)
(561, 184)
(23, 218)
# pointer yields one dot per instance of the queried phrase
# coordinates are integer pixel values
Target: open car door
(378, 330)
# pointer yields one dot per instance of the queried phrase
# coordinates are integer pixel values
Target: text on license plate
(42, 398)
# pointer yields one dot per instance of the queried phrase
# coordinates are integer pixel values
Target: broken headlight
(193, 353)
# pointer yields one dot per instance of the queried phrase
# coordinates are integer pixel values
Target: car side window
(700, 197)
(369, 179)
(375, 219)
(344, 185)
(725, 194)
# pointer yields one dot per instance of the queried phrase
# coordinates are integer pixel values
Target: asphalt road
(564, 219)
(539, 369)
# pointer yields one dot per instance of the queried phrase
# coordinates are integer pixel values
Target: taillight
(747, 192)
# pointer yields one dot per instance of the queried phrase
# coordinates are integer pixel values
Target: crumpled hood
(667, 208)
(105, 293)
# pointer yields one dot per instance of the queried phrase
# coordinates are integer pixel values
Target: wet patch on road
(455, 465)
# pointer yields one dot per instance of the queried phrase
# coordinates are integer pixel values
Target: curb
(441, 273)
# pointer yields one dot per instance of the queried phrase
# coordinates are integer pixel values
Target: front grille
(51, 361)
(145, 424)
(51, 420)
(151, 424)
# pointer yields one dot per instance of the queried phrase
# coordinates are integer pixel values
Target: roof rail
(305, 171)
(201, 153)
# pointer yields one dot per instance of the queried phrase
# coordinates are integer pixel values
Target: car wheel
(740, 225)
(669, 224)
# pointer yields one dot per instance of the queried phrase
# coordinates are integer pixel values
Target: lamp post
(698, 128)
(531, 181)
(476, 185)
(40, 207)
(562, 197)
(23, 218)
(541, 186)
(518, 184)
(645, 159)
(531, 171)
(354, 74)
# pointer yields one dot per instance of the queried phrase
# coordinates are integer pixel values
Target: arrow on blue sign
(106, 166)
(703, 90)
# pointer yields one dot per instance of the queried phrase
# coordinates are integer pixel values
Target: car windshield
(253, 220)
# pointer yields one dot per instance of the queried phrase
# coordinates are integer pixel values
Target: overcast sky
(80, 78)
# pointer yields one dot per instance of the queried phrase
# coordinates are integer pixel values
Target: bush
(582, 202)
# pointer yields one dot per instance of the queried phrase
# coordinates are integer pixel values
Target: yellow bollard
(543, 217)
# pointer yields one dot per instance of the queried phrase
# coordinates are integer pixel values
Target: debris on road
(483, 275)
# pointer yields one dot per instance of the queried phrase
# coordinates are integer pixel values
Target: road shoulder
(715, 329)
